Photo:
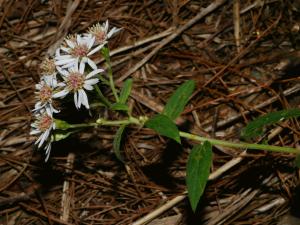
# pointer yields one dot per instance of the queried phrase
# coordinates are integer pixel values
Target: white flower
(45, 90)
(77, 49)
(43, 125)
(76, 81)
(101, 34)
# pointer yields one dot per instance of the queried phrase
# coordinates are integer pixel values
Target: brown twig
(177, 32)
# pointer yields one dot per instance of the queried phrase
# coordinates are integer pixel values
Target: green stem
(141, 120)
(103, 80)
(213, 141)
(105, 52)
(103, 122)
(101, 96)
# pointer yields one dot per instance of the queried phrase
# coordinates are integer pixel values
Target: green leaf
(61, 124)
(119, 106)
(164, 126)
(297, 161)
(103, 99)
(59, 135)
(117, 142)
(179, 99)
(125, 92)
(198, 167)
(105, 52)
(255, 127)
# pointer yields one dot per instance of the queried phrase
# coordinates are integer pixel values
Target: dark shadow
(296, 202)
(159, 173)
(49, 174)
(195, 218)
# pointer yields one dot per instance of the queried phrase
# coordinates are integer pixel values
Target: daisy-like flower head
(75, 50)
(43, 125)
(76, 81)
(48, 67)
(101, 34)
(45, 90)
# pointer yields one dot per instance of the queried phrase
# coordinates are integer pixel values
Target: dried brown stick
(214, 175)
(133, 54)
(242, 53)
(66, 196)
(287, 92)
(142, 42)
(40, 213)
(179, 198)
(176, 33)
(15, 178)
(236, 21)
(13, 86)
(64, 26)
(12, 200)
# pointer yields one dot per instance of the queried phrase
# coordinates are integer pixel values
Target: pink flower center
(80, 51)
(45, 93)
(45, 122)
(75, 81)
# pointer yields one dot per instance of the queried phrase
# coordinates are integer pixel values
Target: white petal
(92, 81)
(48, 80)
(76, 65)
(79, 98)
(55, 111)
(54, 83)
(34, 132)
(61, 57)
(60, 94)
(95, 49)
(88, 87)
(93, 73)
(67, 50)
(64, 61)
(91, 42)
(39, 139)
(69, 65)
(34, 126)
(79, 40)
(82, 65)
(76, 100)
(48, 147)
(85, 101)
(71, 44)
(48, 150)
(38, 106)
(63, 72)
(92, 64)
(85, 41)
(113, 31)
(38, 86)
(57, 52)
(61, 84)
(106, 26)
(44, 137)
(48, 110)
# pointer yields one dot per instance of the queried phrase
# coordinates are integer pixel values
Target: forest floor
(244, 57)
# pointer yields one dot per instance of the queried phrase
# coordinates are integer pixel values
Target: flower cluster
(70, 71)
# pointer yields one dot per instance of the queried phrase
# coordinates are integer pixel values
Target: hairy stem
(105, 52)
(141, 120)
